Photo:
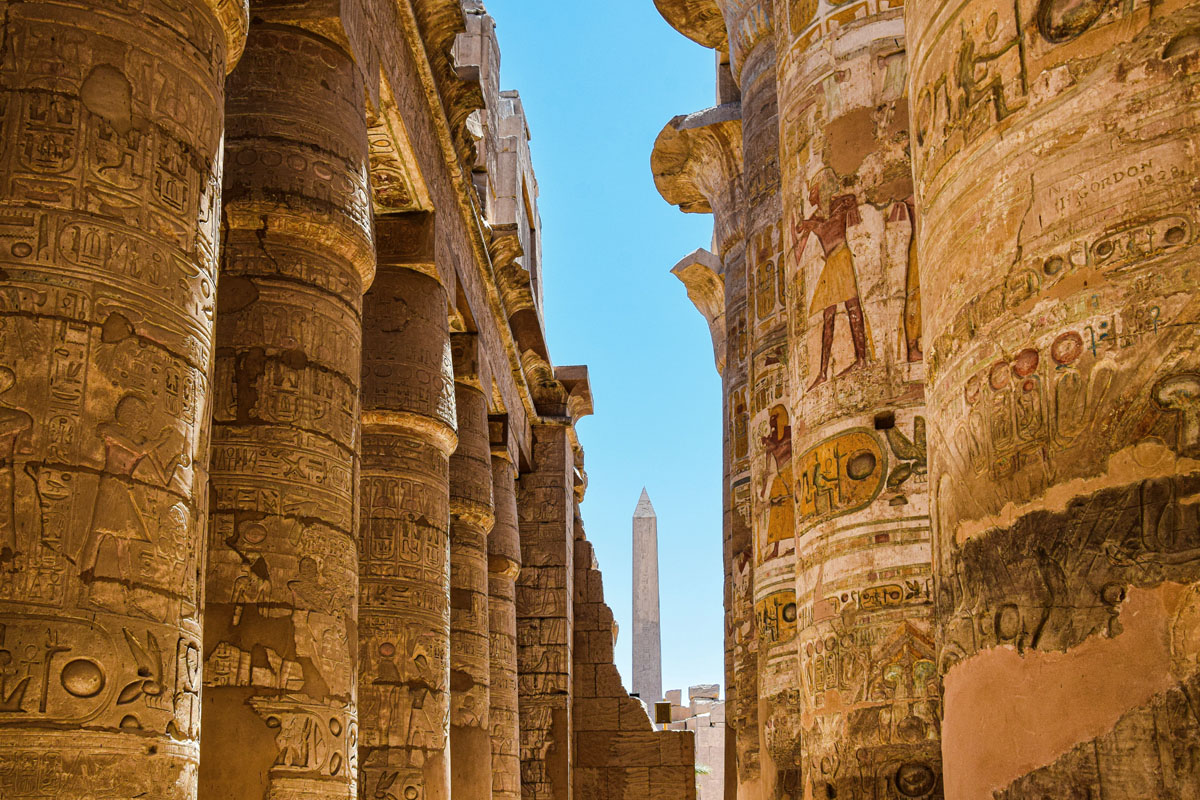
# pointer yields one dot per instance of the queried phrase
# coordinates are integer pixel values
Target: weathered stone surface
(471, 519)
(404, 598)
(864, 592)
(546, 505)
(110, 181)
(618, 754)
(504, 564)
(113, 338)
(1050, 144)
(282, 577)
(1060, 375)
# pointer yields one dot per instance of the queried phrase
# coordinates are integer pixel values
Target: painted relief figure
(778, 492)
(837, 283)
(904, 211)
(14, 423)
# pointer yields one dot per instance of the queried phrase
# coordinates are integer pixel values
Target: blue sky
(599, 81)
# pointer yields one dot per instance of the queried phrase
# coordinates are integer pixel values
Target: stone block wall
(618, 754)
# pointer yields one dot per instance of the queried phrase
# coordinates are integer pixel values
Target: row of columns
(328, 577)
(988, 387)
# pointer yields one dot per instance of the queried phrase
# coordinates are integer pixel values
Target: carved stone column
(504, 563)
(697, 165)
(110, 185)
(471, 519)
(408, 435)
(280, 638)
(752, 43)
(1054, 156)
(864, 623)
(546, 505)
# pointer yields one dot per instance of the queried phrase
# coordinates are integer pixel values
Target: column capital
(699, 20)
(749, 23)
(701, 272)
(697, 165)
(234, 18)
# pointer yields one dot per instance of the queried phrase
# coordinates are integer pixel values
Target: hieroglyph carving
(109, 190)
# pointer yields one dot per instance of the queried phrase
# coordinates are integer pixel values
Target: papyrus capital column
(1054, 159)
(471, 519)
(504, 563)
(280, 645)
(110, 185)
(408, 434)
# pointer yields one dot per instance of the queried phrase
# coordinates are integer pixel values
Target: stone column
(857, 374)
(408, 434)
(697, 165)
(280, 638)
(546, 505)
(110, 185)
(471, 519)
(1054, 156)
(504, 563)
(752, 44)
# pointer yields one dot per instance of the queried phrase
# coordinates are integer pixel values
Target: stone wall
(619, 754)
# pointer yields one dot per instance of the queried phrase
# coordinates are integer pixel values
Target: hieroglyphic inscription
(109, 189)
(404, 586)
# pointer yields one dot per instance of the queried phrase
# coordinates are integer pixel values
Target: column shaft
(864, 623)
(504, 563)
(280, 639)
(546, 504)
(471, 519)
(770, 428)
(404, 610)
(110, 177)
(741, 626)
(1054, 157)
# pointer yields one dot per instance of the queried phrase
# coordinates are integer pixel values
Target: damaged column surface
(110, 185)
(471, 519)
(280, 657)
(408, 434)
(1055, 163)
(864, 607)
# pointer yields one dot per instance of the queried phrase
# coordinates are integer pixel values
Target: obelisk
(647, 635)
